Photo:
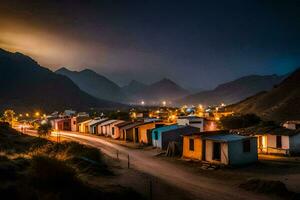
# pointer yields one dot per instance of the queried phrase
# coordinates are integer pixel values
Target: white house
(194, 121)
(293, 125)
(275, 139)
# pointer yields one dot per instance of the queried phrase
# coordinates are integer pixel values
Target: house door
(95, 129)
(204, 150)
(216, 151)
(278, 142)
(136, 135)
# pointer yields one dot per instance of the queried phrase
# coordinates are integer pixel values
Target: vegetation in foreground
(34, 168)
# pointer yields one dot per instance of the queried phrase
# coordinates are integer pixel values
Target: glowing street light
(20, 115)
(27, 115)
(143, 103)
(37, 114)
(164, 103)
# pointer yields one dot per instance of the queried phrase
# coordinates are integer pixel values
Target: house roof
(263, 130)
(208, 133)
(293, 122)
(120, 125)
(108, 122)
(86, 121)
(97, 121)
(81, 119)
(168, 128)
(225, 137)
(131, 125)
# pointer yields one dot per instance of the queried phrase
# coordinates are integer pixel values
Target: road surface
(199, 186)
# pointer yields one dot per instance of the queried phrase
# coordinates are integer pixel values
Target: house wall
(187, 153)
(74, 124)
(236, 153)
(289, 126)
(143, 132)
(117, 134)
(209, 153)
(156, 143)
(198, 123)
(175, 135)
(271, 141)
(295, 144)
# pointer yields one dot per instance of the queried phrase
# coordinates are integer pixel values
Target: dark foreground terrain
(35, 168)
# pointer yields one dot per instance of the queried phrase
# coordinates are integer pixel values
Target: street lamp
(143, 103)
(164, 103)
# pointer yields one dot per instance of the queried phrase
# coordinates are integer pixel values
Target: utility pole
(128, 163)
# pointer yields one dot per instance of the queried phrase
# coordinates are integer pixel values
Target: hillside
(157, 92)
(280, 104)
(26, 86)
(133, 87)
(94, 84)
(233, 91)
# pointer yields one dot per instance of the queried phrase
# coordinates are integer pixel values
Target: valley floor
(169, 174)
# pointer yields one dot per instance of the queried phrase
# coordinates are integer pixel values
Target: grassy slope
(34, 168)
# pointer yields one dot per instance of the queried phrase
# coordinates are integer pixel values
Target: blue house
(162, 136)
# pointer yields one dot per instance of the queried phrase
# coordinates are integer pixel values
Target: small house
(118, 130)
(273, 139)
(191, 121)
(83, 127)
(62, 124)
(162, 136)
(93, 125)
(220, 148)
(75, 121)
(128, 133)
(104, 127)
(293, 125)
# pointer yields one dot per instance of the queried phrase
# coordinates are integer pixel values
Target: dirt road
(198, 186)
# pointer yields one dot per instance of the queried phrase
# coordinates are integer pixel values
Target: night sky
(199, 44)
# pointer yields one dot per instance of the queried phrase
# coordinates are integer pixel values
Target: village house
(273, 139)
(162, 136)
(219, 147)
(293, 125)
(75, 121)
(128, 133)
(111, 129)
(62, 124)
(83, 127)
(191, 121)
(118, 131)
(93, 125)
(105, 127)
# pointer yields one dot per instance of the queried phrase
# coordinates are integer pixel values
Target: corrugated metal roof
(168, 128)
(97, 121)
(108, 122)
(225, 137)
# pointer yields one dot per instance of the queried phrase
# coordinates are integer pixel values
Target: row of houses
(198, 138)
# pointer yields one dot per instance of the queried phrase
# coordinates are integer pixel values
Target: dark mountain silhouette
(25, 85)
(164, 89)
(133, 87)
(233, 91)
(95, 84)
(279, 104)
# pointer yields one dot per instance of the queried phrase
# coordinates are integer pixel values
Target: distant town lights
(164, 103)
(37, 114)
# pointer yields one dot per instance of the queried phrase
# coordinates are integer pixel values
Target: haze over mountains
(95, 84)
(233, 91)
(25, 85)
(279, 104)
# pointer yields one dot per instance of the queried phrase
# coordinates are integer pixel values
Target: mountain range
(25, 85)
(233, 91)
(95, 84)
(163, 90)
(279, 104)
